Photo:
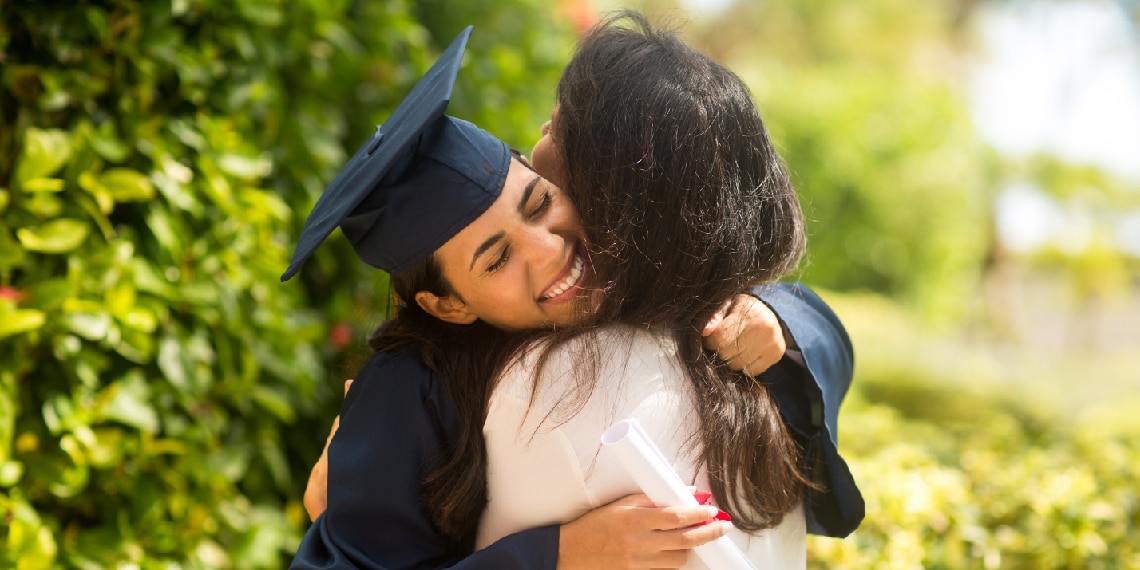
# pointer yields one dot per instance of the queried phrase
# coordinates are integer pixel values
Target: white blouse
(545, 464)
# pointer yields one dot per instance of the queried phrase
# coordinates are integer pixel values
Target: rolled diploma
(657, 479)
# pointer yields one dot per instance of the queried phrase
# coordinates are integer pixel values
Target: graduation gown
(809, 402)
(397, 417)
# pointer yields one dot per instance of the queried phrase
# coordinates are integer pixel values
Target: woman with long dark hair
(688, 204)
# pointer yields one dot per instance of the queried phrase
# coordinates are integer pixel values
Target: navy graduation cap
(419, 180)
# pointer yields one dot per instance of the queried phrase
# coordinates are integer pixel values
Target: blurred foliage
(989, 495)
(162, 396)
(866, 103)
(965, 465)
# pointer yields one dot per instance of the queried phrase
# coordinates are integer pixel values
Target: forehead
(461, 247)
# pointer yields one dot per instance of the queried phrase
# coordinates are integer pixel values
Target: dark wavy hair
(686, 203)
(467, 359)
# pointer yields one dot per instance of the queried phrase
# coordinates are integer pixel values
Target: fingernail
(713, 513)
(722, 516)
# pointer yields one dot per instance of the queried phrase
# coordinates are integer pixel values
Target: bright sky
(702, 7)
(1061, 77)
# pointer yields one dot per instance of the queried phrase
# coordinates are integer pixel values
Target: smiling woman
(519, 265)
(430, 194)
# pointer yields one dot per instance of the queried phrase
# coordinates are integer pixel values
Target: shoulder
(395, 376)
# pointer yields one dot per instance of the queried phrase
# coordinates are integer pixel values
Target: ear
(448, 309)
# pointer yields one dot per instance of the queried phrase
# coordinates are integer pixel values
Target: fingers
(638, 500)
(716, 320)
(673, 518)
(632, 533)
(692, 537)
(749, 337)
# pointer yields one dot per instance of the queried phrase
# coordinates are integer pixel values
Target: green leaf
(20, 321)
(91, 326)
(8, 412)
(128, 402)
(127, 185)
(135, 345)
(45, 151)
(47, 295)
(141, 319)
(261, 13)
(244, 166)
(106, 447)
(57, 236)
(274, 402)
(29, 541)
(11, 253)
(72, 478)
(10, 473)
(98, 191)
(43, 185)
(172, 362)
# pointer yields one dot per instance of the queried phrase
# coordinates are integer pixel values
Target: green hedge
(162, 395)
(990, 495)
(968, 460)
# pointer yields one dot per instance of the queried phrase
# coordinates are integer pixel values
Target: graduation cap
(419, 180)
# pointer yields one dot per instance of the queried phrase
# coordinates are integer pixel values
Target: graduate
(402, 492)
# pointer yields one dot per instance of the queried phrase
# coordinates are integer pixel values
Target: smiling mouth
(571, 279)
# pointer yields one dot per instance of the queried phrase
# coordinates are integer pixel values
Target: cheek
(567, 216)
(547, 162)
(501, 296)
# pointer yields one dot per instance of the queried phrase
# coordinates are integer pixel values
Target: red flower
(12, 294)
(340, 334)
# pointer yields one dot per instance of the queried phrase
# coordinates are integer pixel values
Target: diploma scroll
(657, 479)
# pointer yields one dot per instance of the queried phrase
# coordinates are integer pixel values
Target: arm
(394, 419)
(374, 519)
(809, 397)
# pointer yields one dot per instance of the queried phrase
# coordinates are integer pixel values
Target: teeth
(570, 281)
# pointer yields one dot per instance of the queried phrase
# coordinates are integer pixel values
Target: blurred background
(970, 170)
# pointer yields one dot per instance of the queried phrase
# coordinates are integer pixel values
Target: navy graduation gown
(811, 408)
(397, 416)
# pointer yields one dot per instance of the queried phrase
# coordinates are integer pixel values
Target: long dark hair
(685, 203)
(467, 359)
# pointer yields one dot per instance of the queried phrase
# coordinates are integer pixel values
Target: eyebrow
(483, 247)
(530, 186)
(491, 241)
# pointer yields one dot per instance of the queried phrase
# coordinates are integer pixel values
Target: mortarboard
(419, 180)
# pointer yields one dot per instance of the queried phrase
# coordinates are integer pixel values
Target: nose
(545, 249)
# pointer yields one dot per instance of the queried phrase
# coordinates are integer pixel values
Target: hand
(317, 489)
(748, 337)
(632, 533)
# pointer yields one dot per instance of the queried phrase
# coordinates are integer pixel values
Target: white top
(546, 466)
